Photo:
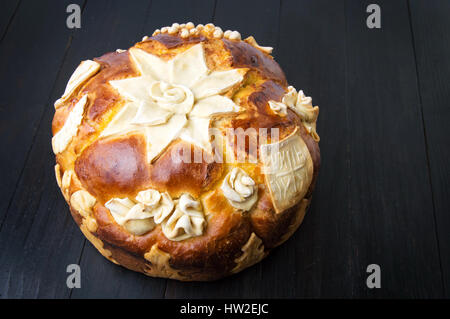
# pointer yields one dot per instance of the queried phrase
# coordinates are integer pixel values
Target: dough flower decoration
(300, 104)
(187, 220)
(179, 219)
(141, 215)
(278, 107)
(173, 99)
(240, 189)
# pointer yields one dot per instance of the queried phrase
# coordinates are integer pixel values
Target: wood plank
(100, 278)
(390, 202)
(247, 20)
(27, 73)
(28, 70)
(311, 50)
(257, 18)
(9, 8)
(431, 33)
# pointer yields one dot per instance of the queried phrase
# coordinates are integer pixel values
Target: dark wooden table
(383, 191)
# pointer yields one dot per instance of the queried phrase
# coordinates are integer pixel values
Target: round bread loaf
(187, 156)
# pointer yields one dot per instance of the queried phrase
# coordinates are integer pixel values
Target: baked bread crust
(93, 169)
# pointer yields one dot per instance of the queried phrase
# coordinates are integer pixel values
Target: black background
(383, 191)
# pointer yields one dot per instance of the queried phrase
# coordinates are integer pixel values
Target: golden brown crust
(170, 41)
(259, 114)
(177, 178)
(114, 65)
(246, 55)
(117, 167)
(123, 173)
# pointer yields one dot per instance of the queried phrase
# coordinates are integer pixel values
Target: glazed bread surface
(127, 134)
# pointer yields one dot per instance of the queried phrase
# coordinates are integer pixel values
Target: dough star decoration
(173, 99)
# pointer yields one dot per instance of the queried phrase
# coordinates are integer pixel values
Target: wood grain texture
(314, 262)
(26, 84)
(430, 26)
(382, 194)
(165, 12)
(257, 18)
(390, 202)
(7, 13)
(32, 257)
